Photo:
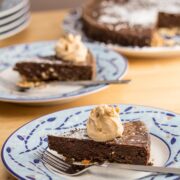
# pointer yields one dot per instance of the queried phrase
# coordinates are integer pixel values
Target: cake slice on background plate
(72, 61)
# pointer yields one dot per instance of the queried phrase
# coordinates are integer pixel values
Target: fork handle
(96, 82)
(155, 169)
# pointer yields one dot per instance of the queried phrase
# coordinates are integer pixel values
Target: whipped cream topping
(104, 123)
(71, 48)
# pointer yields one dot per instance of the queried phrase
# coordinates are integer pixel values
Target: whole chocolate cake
(129, 22)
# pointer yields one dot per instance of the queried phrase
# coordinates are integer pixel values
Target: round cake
(128, 22)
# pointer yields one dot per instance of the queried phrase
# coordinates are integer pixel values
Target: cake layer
(133, 147)
(51, 68)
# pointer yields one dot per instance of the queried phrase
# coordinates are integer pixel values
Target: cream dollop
(71, 48)
(104, 123)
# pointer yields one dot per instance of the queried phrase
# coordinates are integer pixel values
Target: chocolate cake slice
(132, 148)
(52, 68)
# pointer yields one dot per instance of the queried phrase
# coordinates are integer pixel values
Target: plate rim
(12, 10)
(56, 99)
(48, 114)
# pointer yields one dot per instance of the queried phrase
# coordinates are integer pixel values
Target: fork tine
(57, 164)
(57, 159)
(50, 158)
(56, 167)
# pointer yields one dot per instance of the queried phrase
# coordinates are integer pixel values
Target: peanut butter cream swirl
(104, 123)
(71, 48)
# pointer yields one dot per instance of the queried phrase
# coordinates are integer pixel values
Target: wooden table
(155, 82)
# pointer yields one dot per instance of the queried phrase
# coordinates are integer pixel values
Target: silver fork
(58, 165)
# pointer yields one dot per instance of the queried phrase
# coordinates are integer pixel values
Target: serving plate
(110, 66)
(72, 24)
(19, 149)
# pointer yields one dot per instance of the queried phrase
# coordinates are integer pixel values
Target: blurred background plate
(148, 52)
(110, 66)
(72, 24)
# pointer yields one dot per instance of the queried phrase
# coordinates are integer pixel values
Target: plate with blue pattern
(73, 24)
(18, 152)
(110, 66)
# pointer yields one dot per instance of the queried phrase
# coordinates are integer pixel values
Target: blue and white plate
(110, 65)
(73, 24)
(18, 152)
